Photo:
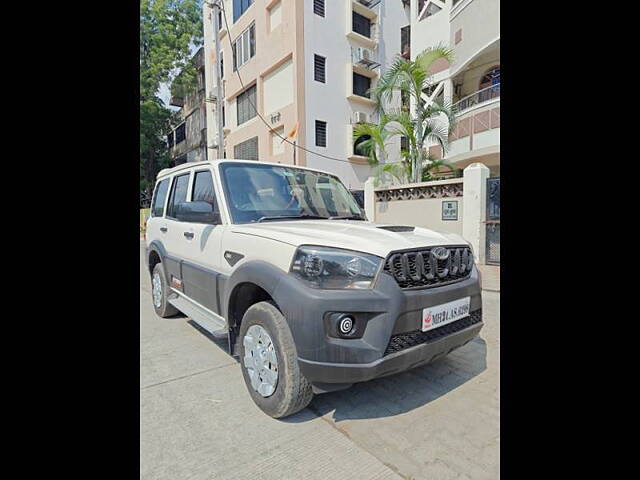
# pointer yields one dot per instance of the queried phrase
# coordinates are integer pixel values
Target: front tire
(159, 291)
(270, 362)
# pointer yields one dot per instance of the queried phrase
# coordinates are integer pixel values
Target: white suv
(311, 296)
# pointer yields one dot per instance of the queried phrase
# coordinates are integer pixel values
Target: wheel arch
(251, 283)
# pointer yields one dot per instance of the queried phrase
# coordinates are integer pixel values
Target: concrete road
(197, 421)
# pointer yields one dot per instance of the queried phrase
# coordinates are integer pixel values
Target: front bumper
(392, 341)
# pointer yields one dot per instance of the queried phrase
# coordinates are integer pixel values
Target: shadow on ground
(392, 395)
(403, 392)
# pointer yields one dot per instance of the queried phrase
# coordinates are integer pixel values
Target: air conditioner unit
(360, 117)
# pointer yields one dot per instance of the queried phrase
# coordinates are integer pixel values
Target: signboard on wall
(450, 210)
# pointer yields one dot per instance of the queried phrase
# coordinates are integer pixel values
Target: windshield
(258, 192)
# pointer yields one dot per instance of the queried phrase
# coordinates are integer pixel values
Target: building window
(358, 149)
(492, 77)
(244, 47)
(157, 207)
(178, 193)
(239, 7)
(361, 85)
(361, 24)
(221, 64)
(405, 42)
(247, 150)
(245, 104)
(181, 133)
(404, 144)
(224, 122)
(318, 7)
(319, 64)
(321, 133)
(170, 139)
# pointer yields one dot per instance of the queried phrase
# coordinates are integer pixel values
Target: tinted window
(178, 193)
(256, 190)
(159, 196)
(203, 189)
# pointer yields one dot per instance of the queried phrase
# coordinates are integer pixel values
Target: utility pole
(215, 5)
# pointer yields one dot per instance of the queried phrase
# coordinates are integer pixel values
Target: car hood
(361, 236)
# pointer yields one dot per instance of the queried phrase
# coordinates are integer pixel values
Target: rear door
(201, 268)
(174, 234)
(156, 225)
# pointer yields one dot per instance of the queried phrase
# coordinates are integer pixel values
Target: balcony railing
(369, 3)
(477, 98)
(365, 58)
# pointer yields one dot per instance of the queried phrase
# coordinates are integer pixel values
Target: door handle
(188, 235)
(163, 229)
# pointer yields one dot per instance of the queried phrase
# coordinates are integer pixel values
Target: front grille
(422, 268)
(417, 337)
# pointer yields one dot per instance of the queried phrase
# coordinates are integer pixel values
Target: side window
(159, 196)
(178, 193)
(203, 189)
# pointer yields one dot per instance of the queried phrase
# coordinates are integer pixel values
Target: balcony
(478, 98)
(363, 22)
(364, 61)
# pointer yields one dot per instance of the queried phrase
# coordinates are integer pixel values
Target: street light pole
(218, 72)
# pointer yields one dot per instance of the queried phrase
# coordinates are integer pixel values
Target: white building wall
(328, 101)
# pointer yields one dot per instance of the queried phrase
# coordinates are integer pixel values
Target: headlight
(323, 267)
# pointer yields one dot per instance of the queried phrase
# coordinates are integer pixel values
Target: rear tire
(159, 291)
(292, 391)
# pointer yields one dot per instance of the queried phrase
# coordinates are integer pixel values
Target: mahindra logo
(440, 253)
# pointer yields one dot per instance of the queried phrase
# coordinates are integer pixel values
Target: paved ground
(197, 420)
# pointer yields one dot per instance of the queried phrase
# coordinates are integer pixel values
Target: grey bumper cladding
(346, 373)
(386, 314)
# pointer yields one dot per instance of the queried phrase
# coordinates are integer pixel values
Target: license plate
(434, 317)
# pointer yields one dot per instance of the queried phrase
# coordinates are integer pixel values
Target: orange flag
(292, 133)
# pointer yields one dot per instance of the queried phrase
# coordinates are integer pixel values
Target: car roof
(186, 166)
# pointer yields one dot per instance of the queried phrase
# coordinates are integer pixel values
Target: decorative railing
(477, 98)
(420, 192)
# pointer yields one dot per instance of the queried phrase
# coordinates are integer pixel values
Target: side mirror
(197, 212)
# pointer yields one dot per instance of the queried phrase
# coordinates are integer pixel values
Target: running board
(212, 324)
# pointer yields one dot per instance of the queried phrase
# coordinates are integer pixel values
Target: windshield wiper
(292, 217)
(347, 217)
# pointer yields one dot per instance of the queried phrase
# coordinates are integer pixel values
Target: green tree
(424, 123)
(169, 29)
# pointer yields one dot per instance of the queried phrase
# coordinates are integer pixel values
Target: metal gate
(493, 221)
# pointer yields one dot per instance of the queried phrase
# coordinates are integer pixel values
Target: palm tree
(425, 124)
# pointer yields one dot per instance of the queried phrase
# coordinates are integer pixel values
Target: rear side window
(159, 196)
(178, 193)
(203, 189)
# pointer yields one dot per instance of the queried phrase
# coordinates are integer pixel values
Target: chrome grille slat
(417, 268)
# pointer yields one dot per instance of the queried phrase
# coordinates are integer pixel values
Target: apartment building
(188, 139)
(471, 28)
(304, 63)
